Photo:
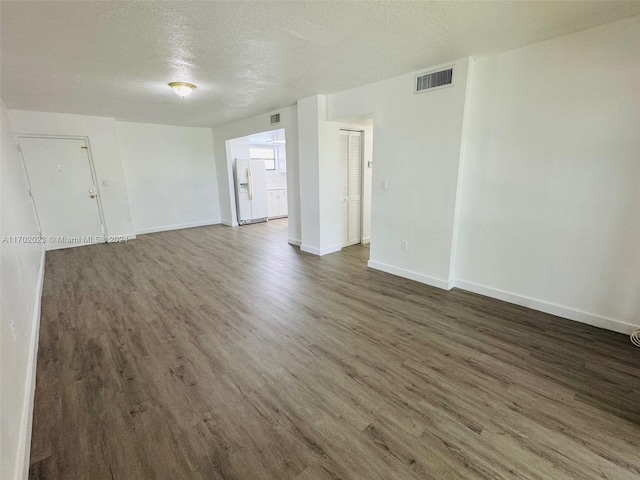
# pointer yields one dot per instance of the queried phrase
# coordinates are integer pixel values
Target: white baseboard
(548, 307)
(229, 223)
(166, 228)
(543, 306)
(294, 241)
(320, 251)
(328, 250)
(62, 246)
(24, 442)
(366, 240)
(418, 277)
(308, 249)
(131, 236)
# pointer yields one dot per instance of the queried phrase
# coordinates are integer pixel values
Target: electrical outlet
(385, 185)
(404, 245)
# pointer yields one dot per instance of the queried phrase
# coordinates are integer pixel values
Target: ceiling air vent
(431, 80)
(275, 119)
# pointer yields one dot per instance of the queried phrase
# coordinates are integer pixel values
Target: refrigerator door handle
(250, 183)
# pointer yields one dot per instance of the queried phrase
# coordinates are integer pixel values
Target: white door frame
(230, 159)
(94, 177)
(362, 134)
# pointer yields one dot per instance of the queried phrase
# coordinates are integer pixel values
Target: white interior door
(351, 185)
(64, 191)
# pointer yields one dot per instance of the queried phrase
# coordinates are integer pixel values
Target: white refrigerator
(251, 191)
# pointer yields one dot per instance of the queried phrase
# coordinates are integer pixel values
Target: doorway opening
(259, 166)
(355, 145)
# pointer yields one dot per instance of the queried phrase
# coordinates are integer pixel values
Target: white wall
(319, 167)
(170, 174)
(238, 148)
(21, 274)
(105, 150)
(224, 162)
(331, 221)
(311, 112)
(551, 192)
(417, 145)
(311, 117)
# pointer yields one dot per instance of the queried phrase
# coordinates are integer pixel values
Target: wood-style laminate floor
(225, 353)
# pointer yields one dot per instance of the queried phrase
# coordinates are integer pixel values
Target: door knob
(92, 194)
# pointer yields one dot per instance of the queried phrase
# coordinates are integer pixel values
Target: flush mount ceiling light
(182, 88)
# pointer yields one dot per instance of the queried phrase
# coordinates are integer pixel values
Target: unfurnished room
(319, 240)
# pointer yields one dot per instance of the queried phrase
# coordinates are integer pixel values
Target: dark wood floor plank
(225, 353)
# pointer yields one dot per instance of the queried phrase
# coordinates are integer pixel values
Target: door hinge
(86, 148)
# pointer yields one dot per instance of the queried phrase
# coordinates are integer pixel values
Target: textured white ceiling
(114, 58)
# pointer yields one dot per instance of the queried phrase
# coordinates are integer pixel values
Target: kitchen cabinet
(277, 203)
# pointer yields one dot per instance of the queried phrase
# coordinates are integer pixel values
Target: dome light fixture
(182, 88)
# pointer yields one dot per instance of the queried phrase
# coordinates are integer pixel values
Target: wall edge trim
(165, 228)
(24, 442)
(411, 275)
(320, 251)
(549, 307)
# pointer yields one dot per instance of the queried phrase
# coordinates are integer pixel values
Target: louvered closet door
(351, 185)
(355, 185)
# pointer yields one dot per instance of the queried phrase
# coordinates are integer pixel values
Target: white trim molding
(418, 277)
(229, 223)
(165, 228)
(320, 251)
(308, 249)
(548, 307)
(294, 241)
(24, 442)
(562, 311)
(366, 240)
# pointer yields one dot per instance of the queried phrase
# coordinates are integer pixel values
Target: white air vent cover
(432, 80)
(275, 119)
